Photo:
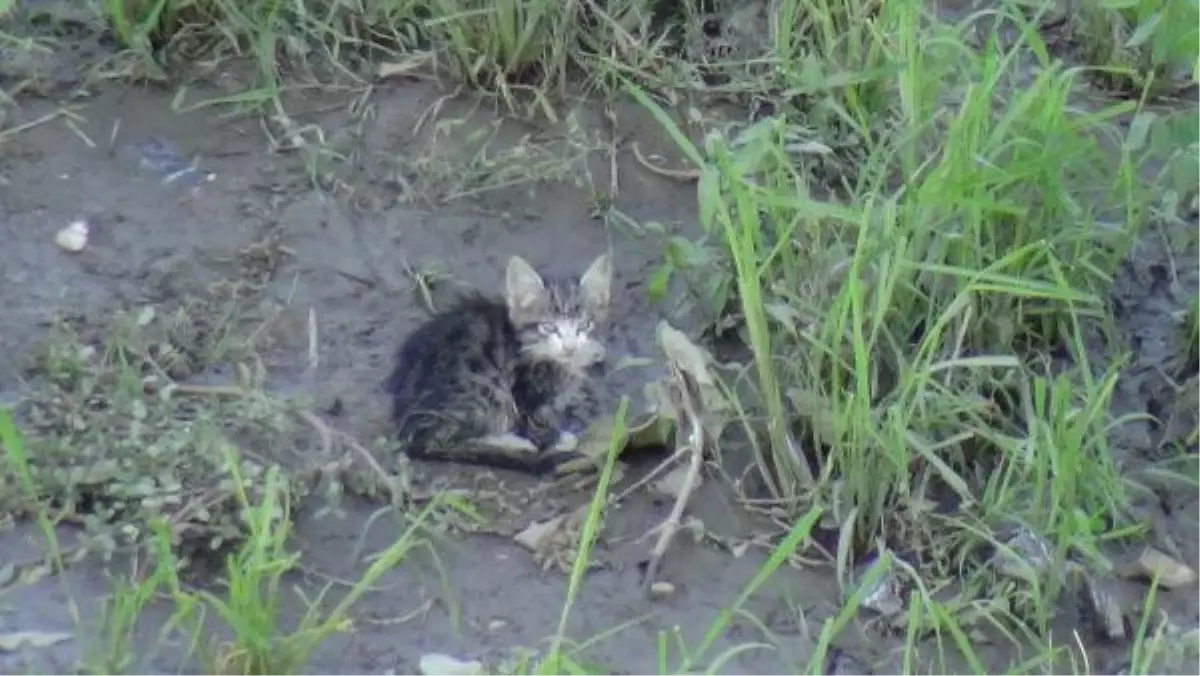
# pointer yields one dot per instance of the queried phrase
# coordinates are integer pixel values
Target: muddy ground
(346, 249)
(149, 242)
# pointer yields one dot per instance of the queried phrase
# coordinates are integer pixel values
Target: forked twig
(684, 394)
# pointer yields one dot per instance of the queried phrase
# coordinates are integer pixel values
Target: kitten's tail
(439, 438)
(483, 453)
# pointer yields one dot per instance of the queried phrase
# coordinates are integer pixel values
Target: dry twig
(685, 396)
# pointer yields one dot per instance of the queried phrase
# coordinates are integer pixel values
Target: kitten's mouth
(580, 355)
(584, 353)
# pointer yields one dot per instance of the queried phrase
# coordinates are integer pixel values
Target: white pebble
(661, 590)
(445, 665)
(74, 237)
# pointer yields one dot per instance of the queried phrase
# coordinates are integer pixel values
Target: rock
(436, 664)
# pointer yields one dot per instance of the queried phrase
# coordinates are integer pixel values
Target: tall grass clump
(530, 51)
(919, 347)
(1140, 45)
(521, 49)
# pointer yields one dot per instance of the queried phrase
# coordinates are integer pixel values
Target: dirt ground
(346, 253)
(150, 242)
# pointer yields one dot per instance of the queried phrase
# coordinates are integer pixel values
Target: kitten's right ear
(525, 291)
(596, 284)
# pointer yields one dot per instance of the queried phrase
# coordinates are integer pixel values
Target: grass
(917, 253)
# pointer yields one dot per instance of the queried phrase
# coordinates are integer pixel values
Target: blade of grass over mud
(552, 663)
(256, 97)
(118, 619)
(945, 621)
(1145, 647)
(685, 146)
(189, 612)
(798, 534)
(833, 627)
(816, 209)
(15, 453)
(253, 576)
(131, 33)
(741, 227)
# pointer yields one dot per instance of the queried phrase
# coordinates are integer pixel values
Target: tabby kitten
(507, 383)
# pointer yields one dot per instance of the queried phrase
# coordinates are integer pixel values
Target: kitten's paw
(567, 442)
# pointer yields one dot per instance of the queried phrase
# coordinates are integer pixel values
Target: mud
(348, 247)
(153, 241)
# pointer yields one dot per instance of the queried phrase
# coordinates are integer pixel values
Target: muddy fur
(505, 383)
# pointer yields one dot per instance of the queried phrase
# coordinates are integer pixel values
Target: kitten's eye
(586, 326)
(546, 328)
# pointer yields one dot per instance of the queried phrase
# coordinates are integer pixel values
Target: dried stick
(685, 175)
(684, 394)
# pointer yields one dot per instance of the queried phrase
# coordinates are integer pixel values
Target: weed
(1141, 46)
(250, 600)
(925, 341)
(119, 439)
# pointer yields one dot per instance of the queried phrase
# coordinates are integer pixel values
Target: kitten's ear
(596, 285)
(524, 290)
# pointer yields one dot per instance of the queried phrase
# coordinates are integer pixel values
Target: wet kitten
(505, 383)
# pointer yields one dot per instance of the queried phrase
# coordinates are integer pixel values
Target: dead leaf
(33, 574)
(652, 418)
(407, 67)
(671, 483)
(1152, 562)
(684, 353)
(535, 534)
(686, 356)
(30, 639)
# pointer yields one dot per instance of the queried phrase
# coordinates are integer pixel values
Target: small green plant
(249, 600)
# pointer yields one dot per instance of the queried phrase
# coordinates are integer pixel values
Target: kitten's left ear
(596, 285)
(525, 291)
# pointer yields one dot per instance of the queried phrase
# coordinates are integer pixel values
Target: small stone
(661, 590)
(73, 238)
(445, 665)
(497, 625)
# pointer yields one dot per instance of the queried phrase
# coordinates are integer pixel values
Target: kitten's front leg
(560, 422)
(543, 427)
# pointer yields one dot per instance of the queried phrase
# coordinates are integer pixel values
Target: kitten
(507, 383)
